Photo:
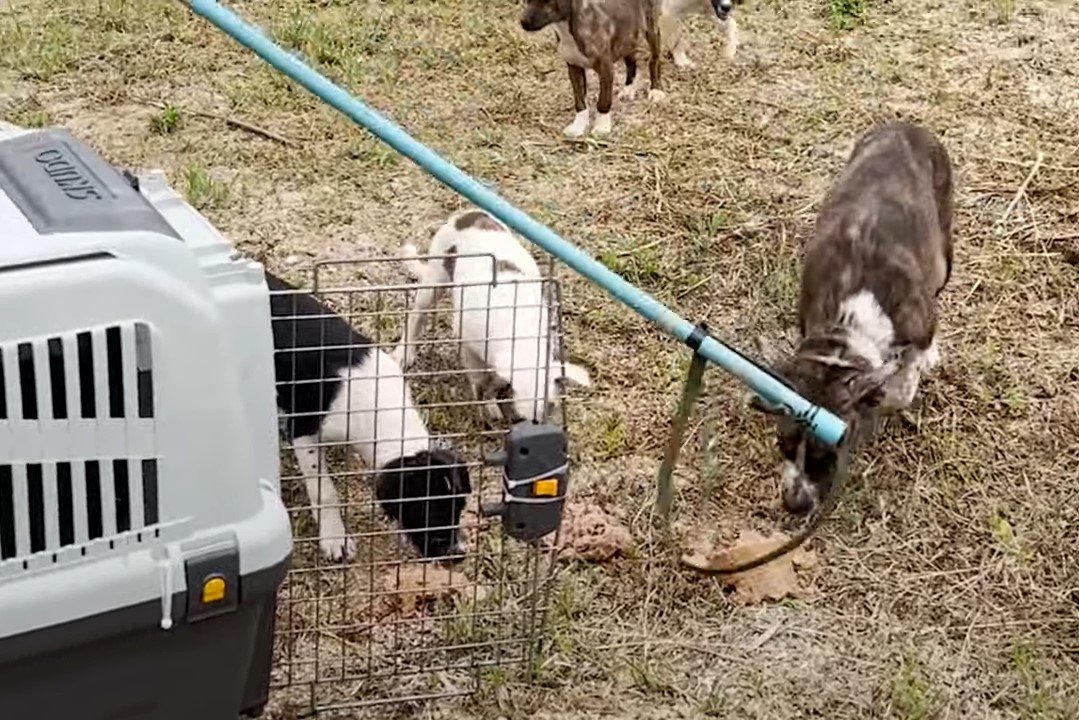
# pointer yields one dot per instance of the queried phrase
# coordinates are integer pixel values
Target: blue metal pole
(826, 426)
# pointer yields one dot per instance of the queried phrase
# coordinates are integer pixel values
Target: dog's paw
(578, 127)
(682, 62)
(332, 539)
(337, 549)
(603, 125)
(930, 358)
(657, 96)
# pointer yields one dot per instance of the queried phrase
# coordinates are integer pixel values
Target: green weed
(201, 190)
(167, 121)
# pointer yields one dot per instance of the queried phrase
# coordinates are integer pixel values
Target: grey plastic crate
(138, 448)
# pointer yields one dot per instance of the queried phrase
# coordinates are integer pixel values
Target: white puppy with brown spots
(502, 316)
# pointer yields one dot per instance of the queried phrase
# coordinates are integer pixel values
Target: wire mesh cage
(376, 616)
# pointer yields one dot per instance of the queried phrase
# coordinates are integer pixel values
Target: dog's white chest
(567, 47)
(871, 330)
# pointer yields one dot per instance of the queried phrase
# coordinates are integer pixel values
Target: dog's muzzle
(722, 8)
(530, 24)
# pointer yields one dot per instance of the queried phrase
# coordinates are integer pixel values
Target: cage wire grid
(387, 626)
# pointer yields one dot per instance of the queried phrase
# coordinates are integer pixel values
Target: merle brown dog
(879, 257)
(597, 34)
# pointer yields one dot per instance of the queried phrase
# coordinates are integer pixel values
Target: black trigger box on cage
(534, 472)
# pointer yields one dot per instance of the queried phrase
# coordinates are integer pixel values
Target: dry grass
(948, 586)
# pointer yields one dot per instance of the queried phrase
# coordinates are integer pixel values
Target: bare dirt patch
(947, 583)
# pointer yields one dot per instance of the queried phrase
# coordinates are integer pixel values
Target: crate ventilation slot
(86, 400)
(46, 507)
(104, 373)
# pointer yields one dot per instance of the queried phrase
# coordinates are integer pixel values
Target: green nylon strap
(691, 390)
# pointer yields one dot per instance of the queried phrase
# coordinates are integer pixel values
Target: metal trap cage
(384, 624)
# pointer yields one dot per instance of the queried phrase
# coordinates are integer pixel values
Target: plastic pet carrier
(142, 535)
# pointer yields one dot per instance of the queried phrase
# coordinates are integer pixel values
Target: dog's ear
(390, 486)
(867, 389)
(573, 375)
(773, 358)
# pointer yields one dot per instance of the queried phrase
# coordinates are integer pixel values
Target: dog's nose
(455, 555)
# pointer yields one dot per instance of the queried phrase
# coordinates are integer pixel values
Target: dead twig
(1010, 161)
(639, 249)
(1023, 188)
(249, 127)
(232, 122)
(686, 291)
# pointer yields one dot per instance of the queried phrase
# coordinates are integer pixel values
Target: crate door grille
(61, 500)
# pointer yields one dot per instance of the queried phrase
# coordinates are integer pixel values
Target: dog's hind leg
(405, 352)
(325, 504)
(671, 29)
(579, 125)
(605, 70)
(633, 80)
(655, 51)
(431, 272)
(730, 48)
(481, 380)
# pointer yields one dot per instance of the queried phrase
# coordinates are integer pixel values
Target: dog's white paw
(682, 61)
(332, 539)
(337, 548)
(657, 96)
(603, 125)
(930, 358)
(578, 127)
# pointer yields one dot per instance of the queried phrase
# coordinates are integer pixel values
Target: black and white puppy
(335, 386)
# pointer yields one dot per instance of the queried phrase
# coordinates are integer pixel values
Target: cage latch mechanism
(534, 480)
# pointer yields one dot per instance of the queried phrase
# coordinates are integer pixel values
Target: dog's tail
(410, 256)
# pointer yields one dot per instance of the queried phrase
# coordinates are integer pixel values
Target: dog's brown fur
(883, 229)
(477, 219)
(604, 32)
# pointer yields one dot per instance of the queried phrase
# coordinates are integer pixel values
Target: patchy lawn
(947, 583)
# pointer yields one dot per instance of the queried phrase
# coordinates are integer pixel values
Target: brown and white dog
(671, 14)
(880, 255)
(502, 316)
(597, 34)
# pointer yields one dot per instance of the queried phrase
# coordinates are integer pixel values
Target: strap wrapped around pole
(691, 390)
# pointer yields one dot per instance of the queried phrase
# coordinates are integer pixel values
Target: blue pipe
(826, 426)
